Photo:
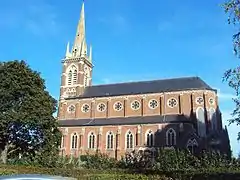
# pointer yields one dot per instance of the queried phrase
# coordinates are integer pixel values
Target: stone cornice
(143, 96)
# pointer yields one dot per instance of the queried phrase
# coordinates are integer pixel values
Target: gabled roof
(125, 120)
(145, 87)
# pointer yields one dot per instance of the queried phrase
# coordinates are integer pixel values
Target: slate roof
(124, 120)
(145, 87)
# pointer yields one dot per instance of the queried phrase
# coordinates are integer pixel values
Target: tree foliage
(27, 125)
(232, 76)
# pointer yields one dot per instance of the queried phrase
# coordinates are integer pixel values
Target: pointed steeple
(80, 34)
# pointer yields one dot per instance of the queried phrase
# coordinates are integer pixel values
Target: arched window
(192, 145)
(91, 140)
(150, 138)
(129, 140)
(170, 137)
(72, 75)
(109, 140)
(75, 76)
(74, 141)
(213, 119)
(201, 122)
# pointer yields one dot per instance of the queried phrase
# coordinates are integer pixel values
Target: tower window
(75, 76)
(72, 75)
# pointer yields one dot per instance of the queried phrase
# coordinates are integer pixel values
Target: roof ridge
(146, 81)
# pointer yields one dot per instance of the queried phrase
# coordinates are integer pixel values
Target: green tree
(27, 126)
(232, 76)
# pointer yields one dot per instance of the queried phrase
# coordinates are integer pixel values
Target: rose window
(211, 101)
(135, 105)
(199, 100)
(85, 108)
(71, 109)
(118, 106)
(101, 107)
(172, 102)
(153, 104)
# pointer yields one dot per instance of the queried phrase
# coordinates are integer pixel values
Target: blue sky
(131, 39)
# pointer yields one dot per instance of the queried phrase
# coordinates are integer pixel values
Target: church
(115, 119)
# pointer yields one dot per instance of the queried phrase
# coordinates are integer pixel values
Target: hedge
(86, 174)
(81, 174)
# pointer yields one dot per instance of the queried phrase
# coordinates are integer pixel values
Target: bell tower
(77, 64)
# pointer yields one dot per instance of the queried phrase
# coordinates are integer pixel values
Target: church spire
(80, 34)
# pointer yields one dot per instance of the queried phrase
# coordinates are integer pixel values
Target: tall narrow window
(110, 140)
(192, 145)
(150, 139)
(74, 141)
(75, 76)
(213, 119)
(201, 122)
(129, 141)
(72, 75)
(91, 140)
(170, 137)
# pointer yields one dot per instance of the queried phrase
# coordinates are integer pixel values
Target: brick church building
(119, 118)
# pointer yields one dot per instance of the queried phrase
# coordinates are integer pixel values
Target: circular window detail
(101, 107)
(153, 104)
(199, 100)
(135, 105)
(172, 102)
(71, 109)
(118, 106)
(85, 108)
(211, 101)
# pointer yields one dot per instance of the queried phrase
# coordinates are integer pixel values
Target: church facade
(119, 118)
